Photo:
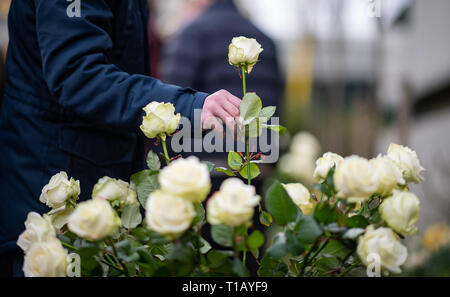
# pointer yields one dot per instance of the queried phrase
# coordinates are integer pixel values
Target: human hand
(220, 107)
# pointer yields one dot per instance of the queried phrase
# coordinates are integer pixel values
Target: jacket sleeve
(79, 74)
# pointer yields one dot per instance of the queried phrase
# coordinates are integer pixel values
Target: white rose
(383, 243)
(114, 190)
(325, 163)
(306, 145)
(59, 190)
(401, 212)
(298, 166)
(37, 229)
(300, 196)
(46, 259)
(60, 217)
(408, 162)
(160, 120)
(233, 205)
(168, 214)
(186, 178)
(94, 220)
(244, 52)
(390, 175)
(356, 179)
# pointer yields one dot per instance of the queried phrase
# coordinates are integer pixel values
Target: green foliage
(131, 216)
(234, 160)
(222, 234)
(254, 171)
(144, 183)
(153, 162)
(280, 205)
(250, 107)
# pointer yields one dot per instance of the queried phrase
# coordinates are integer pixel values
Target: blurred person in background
(197, 57)
(77, 79)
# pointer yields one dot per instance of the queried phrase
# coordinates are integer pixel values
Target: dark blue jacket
(73, 100)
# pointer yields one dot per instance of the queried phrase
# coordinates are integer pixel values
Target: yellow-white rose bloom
(389, 173)
(301, 196)
(59, 190)
(160, 120)
(244, 52)
(382, 242)
(114, 189)
(46, 259)
(167, 214)
(325, 163)
(37, 229)
(401, 212)
(356, 179)
(94, 219)
(408, 162)
(186, 178)
(233, 204)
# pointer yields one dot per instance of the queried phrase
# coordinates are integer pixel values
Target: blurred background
(355, 75)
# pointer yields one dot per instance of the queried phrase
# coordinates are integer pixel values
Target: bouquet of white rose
(357, 213)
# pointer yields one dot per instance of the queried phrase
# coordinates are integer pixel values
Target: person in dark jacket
(77, 80)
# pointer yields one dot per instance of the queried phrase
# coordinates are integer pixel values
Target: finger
(233, 99)
(221, 113)
(230, 108)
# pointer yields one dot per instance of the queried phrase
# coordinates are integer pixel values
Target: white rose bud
(160, 120)
(390, 175)
(356, 179)
(46, 259)
(114, 190)
(383, 243)
(94, 220)
(325, 163)
(300, 196)
(167, 214)
(233, 205)
(244, 52)
(186, 178)
(37, 229)
(408, 162)
(401, 212)
(59, 190)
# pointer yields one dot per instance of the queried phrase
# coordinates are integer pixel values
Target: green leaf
(265, 218)
(131, 216)
(255, 240)
(250, 107)
(200, 213)
(271, 267)
(324, 213)
(266, 113)
(204, 246)
(226, 171)
(280, 205)
(357, 221)
(254, 171)
(278, 249)
(294, 246)
(239, 268)
(308, 230)
(211, 165)
(222, 234)
(277, 128)
(153, 162)
(217, 258)
(234, 160)
(144, 183)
